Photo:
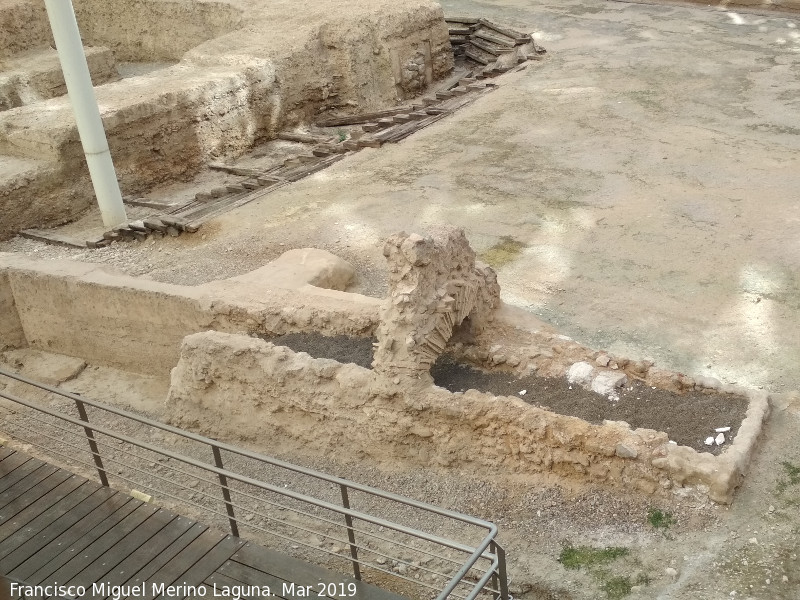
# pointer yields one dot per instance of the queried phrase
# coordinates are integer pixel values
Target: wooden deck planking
(19, 547)
(56, 526)
(121, 548)
(12, 522)
(127, 570)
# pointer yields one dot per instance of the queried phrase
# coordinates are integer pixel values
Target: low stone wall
(11, 333)
(236, 387)
(108, 318)
(246, 70)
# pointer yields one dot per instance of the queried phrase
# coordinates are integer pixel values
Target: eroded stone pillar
(435, 285)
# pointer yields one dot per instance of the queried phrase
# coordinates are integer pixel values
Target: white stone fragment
(722, 429)
(523, 392)
(606, 382)
(671, 573)
(710, 441)
(720, 439)
(673, 442)
(580, 373)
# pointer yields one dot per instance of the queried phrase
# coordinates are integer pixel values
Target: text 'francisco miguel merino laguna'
(236, 592)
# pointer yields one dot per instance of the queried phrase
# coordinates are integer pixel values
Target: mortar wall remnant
(235, 73)
(11, 333)
(240, 388)
(435, 285)
(235, 386)
(108, 318)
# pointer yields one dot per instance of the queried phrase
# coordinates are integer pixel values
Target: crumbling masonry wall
(107, 318)
(236, 387)
(243, 70)
(434, 286)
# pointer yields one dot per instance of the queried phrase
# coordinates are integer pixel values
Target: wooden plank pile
(479, 43)
(482, 42)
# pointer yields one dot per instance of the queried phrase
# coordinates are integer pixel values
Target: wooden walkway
(59, 527)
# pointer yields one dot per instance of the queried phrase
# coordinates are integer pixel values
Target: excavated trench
(688, 418)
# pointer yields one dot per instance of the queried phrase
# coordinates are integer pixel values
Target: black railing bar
(54, 425)
(216, 484)
(481, 584)
(466, 568)
(339, 525)
(244, 479)
(260, 457)
(275, 534)
(254, 512)
(50, 451)
(58, 440)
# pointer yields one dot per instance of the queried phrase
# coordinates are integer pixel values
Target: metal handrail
(486, 550)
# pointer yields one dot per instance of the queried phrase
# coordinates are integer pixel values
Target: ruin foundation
(228, 384)
(233, 73)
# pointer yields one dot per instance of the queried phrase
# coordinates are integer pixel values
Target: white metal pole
(87, 113)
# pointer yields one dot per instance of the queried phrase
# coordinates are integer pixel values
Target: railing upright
(98, 461)
(351, 536)
(501, 570)
(226, 492)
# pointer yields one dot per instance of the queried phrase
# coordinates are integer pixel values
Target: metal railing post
(501, 571)
(101, 471)
(350, 533)
(226, 493)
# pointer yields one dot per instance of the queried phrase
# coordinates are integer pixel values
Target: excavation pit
(202, 80)
(227, 383)
(688, 418)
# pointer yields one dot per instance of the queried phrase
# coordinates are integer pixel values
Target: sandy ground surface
(637, 189)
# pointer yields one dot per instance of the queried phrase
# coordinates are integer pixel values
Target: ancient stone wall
(11, 333)
(237, 82)
(108, 318)
(236, 387)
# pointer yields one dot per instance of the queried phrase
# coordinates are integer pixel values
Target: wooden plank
(156, 545)
(171, 571)
(362, 118)
(52, 556)
(31, 509)
(148, 571)
(23, 485)
(493, 38)
(80, 560)
(124, 545)
(209, 562)
(459, 31)
(518, 37)
(5, 452)
(44, 522)
(11, 464)
(232, 169)
(466, 20)
(292, 569)
(51, 237)
(145, 203)
(303, 138)
(490, 48)
(478, 58)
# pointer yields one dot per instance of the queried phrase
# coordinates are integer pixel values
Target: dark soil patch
(688, 419)
(341, 348)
